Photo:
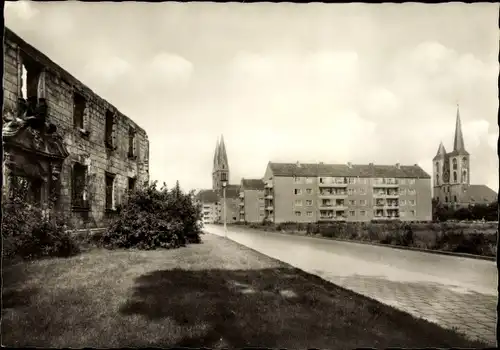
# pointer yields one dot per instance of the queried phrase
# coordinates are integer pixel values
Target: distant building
(252, 200)
(65, 147)
(220, 174)
(452, 175)
(296, 192)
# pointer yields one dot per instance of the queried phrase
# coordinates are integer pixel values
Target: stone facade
(104, 153)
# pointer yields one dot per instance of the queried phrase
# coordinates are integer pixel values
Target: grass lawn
(214, 294)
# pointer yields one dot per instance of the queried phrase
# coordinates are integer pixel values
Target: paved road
(454, 292)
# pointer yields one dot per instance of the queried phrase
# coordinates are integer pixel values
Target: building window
(352, 202)
(411, 191)
(411, 181)
(309, 191)
(78, 110)
(362, 202)
(362, 191)
(402, 181)
(298, 203)
(455, 177)
(298, 213)
(402, 202)
(350, 191)
(411, 202)
(110, 178)
(352, 213)
(402, 213)
(131, 142)
(309, 202)
(437, 179)
(310, 213)
(446, 199)
(464, 176)
(31, 73)
(108, 132)
(402, 191)
(454, 163)
(298, 191)
(309, 180)
(455, 199)
(352, 180)
(296, 180)
(131, 183)
(362, 213)
(413, 212)
(27, 189)
(79, 186)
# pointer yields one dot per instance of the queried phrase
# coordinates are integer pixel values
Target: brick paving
(470, 313)
(459, 295)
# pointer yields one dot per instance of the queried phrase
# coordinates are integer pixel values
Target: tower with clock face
(451, 171)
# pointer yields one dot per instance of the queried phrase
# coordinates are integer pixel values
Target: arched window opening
(454, 163)
(437, 179)
(446, 199)
(464, 176)
(455, 199)
(455, 176)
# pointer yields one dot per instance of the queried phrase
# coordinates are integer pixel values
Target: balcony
(269, 196)
(325, 206)
(242, 195)
(242, 204)
(333, 195)
(242, 212)
(269, 208)
(386, 195)
(268, 185)
(386, 184)
(385, 218)
(333, 184)
(386, 206)
(333, 218)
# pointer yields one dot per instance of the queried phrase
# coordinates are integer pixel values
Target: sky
(283, 82)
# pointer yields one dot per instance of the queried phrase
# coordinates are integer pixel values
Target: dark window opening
(109, 190)
(108, 140)
(30, 73)
(79, 195)
(455, 199)
(454, 176)
(131, 183)
(223, 177)
(131, 142)
(454, 163)
(446, 199)
(78, 110)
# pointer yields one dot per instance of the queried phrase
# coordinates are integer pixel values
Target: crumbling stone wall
(85, 146)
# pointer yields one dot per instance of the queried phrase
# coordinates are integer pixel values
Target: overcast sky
(283, 82)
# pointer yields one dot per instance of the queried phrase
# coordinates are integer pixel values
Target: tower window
(437, 167)
(464, 176)
(437, 179)
(454, 163)
(455, 176)
(446, 199)
(455, 198)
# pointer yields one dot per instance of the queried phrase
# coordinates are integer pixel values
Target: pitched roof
(207, 196)
(480, 194)
(355, 170)
(252, 184)
(232, 191)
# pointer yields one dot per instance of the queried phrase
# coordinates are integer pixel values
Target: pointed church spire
(441, 151)
(458, 144)
(223, 154)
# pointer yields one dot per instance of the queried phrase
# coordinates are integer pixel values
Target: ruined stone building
(452, 185)
(65, 147)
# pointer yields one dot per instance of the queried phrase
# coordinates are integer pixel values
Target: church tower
(220, 170)
(451, 170)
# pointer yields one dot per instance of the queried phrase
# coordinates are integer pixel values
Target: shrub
(28, 232)
(155, 218)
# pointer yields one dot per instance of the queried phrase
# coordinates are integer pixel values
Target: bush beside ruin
(155, 218)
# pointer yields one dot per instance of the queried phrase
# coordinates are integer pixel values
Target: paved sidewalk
(454, 292)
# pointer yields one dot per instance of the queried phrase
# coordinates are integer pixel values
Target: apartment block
(297, 192)
(65, 146)
(252, 200)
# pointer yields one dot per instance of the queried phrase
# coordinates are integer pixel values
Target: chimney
(349, 165)
(398, 166)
